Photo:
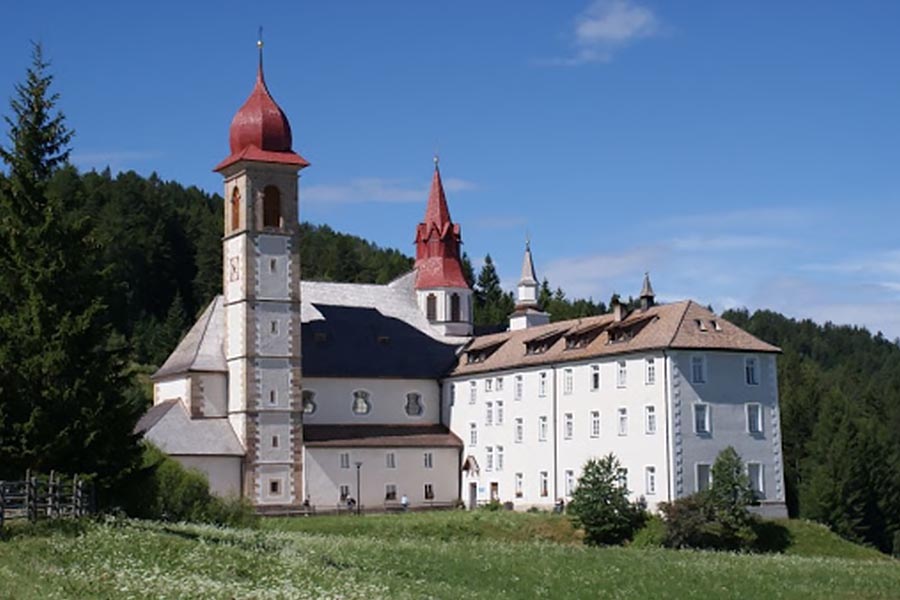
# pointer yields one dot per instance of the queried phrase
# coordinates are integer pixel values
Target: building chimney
(618, 309)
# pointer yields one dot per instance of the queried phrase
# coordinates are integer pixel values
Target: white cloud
(706, 243)
(375, 189)
(878, 264)
(606, 26)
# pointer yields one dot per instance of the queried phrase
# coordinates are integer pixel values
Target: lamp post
(358, 493)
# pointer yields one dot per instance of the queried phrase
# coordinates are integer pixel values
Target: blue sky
(746, 154)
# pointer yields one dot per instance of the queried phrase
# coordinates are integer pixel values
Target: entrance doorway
(473, 496)
(495, 491)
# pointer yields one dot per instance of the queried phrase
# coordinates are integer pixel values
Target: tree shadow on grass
(771, 537)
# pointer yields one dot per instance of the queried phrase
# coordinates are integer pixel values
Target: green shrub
(492, 506)
(165, 490)
(601, 507)
(651, 535)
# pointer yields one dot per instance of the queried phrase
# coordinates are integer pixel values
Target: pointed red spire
(260, 131)
(437, 242)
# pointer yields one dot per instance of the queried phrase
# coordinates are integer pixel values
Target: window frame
(419, 402)
(473, 392)
(596, 380)
(596, 424)
(650, 418)
(390, 460)
(704, 375)
(569, 480)
(544, 484)
(344, 458)
(759, 418)
(760, 479)
(428, 460)
(488, 414)
(621, 374)
(366, 397)
(308, 401)
(707, 418)
(650, 480)
(568, 426)
(748, 361)
(542, 384)
(488, 458)
(542, 428)
(622, 418)
(568, 384)
(697, 467)
(519, 485)
(519, 430)
(650, 370)
(473, 434)
(519, 388)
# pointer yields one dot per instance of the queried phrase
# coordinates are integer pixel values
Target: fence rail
(45, 497)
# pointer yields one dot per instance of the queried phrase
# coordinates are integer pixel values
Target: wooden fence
(45, 497)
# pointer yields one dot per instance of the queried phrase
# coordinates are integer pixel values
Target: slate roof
(380, 436)
(672, 326)
(361, 330)
(202, 349)
(169, 427)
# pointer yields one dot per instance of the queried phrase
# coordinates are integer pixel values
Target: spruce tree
(61, 382)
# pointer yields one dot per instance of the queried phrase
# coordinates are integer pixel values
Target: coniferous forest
(101, 275)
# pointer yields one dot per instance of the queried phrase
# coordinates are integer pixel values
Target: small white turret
(527, 313)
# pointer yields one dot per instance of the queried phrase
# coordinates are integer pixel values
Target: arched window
(454, 308)
(309, 402)
(271, 207)
(431, 307)
(414, 404)
(361, 404)
(235, 209)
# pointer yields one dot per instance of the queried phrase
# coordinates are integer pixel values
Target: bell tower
(261, 281)
(441, 289)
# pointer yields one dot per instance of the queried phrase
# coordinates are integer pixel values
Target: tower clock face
(234, 264)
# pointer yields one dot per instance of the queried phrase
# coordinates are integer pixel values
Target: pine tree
(492, 305)
(61, 380)
(600, 504)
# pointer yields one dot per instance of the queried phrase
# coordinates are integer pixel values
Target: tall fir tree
(61, 381)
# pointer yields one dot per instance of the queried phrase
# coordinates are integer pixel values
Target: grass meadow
(426, 555)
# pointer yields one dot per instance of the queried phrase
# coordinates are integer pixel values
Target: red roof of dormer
(437, 243)
(260, 131)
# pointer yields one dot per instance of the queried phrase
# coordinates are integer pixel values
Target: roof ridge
(687, 305)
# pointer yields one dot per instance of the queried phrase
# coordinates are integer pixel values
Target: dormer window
(309, 402)
(542, 343)
(701, 325)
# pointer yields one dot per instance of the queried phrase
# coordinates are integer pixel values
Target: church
(303, 395)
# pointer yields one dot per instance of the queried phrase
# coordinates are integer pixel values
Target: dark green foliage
(162, 489)
(840, 413)
(327, 255)
(492, 305)
(62, 372)
(601, 507)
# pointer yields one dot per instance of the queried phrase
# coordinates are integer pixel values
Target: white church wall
(238, 421)
(274, 437)
(274, 378)
(237, 399)
(175, 387)
(272, 267)
(325, 476)
(387, 398)
(273, 484)
(222, 472)
(236, 327)
(273, 328)
(234, 251)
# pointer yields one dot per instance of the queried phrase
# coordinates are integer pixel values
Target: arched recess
(235, 209)
(454, 308)
(271, 206)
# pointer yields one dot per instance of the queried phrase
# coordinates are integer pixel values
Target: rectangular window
(570, 482)
(498, 384)
(473, 392)
(452, 394)
(622, 477)
(498, 459)
(623, 421)
(345, 492)
(542, 429)
(429, 491)
(621, 373)
(273, 397)
(488, 413)
(429, 460)
(701, 418)
(544, 487)
(391, 460)
(567, 381)
(650, 477)
(488, 384)
(755, 473)
(275, 441)
(595, 378)
(568, 426)
(274, 327)
(390, 491)
(698, 369)
(542, 385)
(650, 420)
(518, 390)
(519, 432)
(345, 460)
(519, 485)
(650, 371)
(754, 418)
(473, 434)
(499, 412)
(488, 458)
(704, 477)
(750, 371)
(274, 487)
(595, 423)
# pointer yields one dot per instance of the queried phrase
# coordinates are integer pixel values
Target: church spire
(647, 296)
(527, 313)
(437, 242)
(437, 213)
(528, 276)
